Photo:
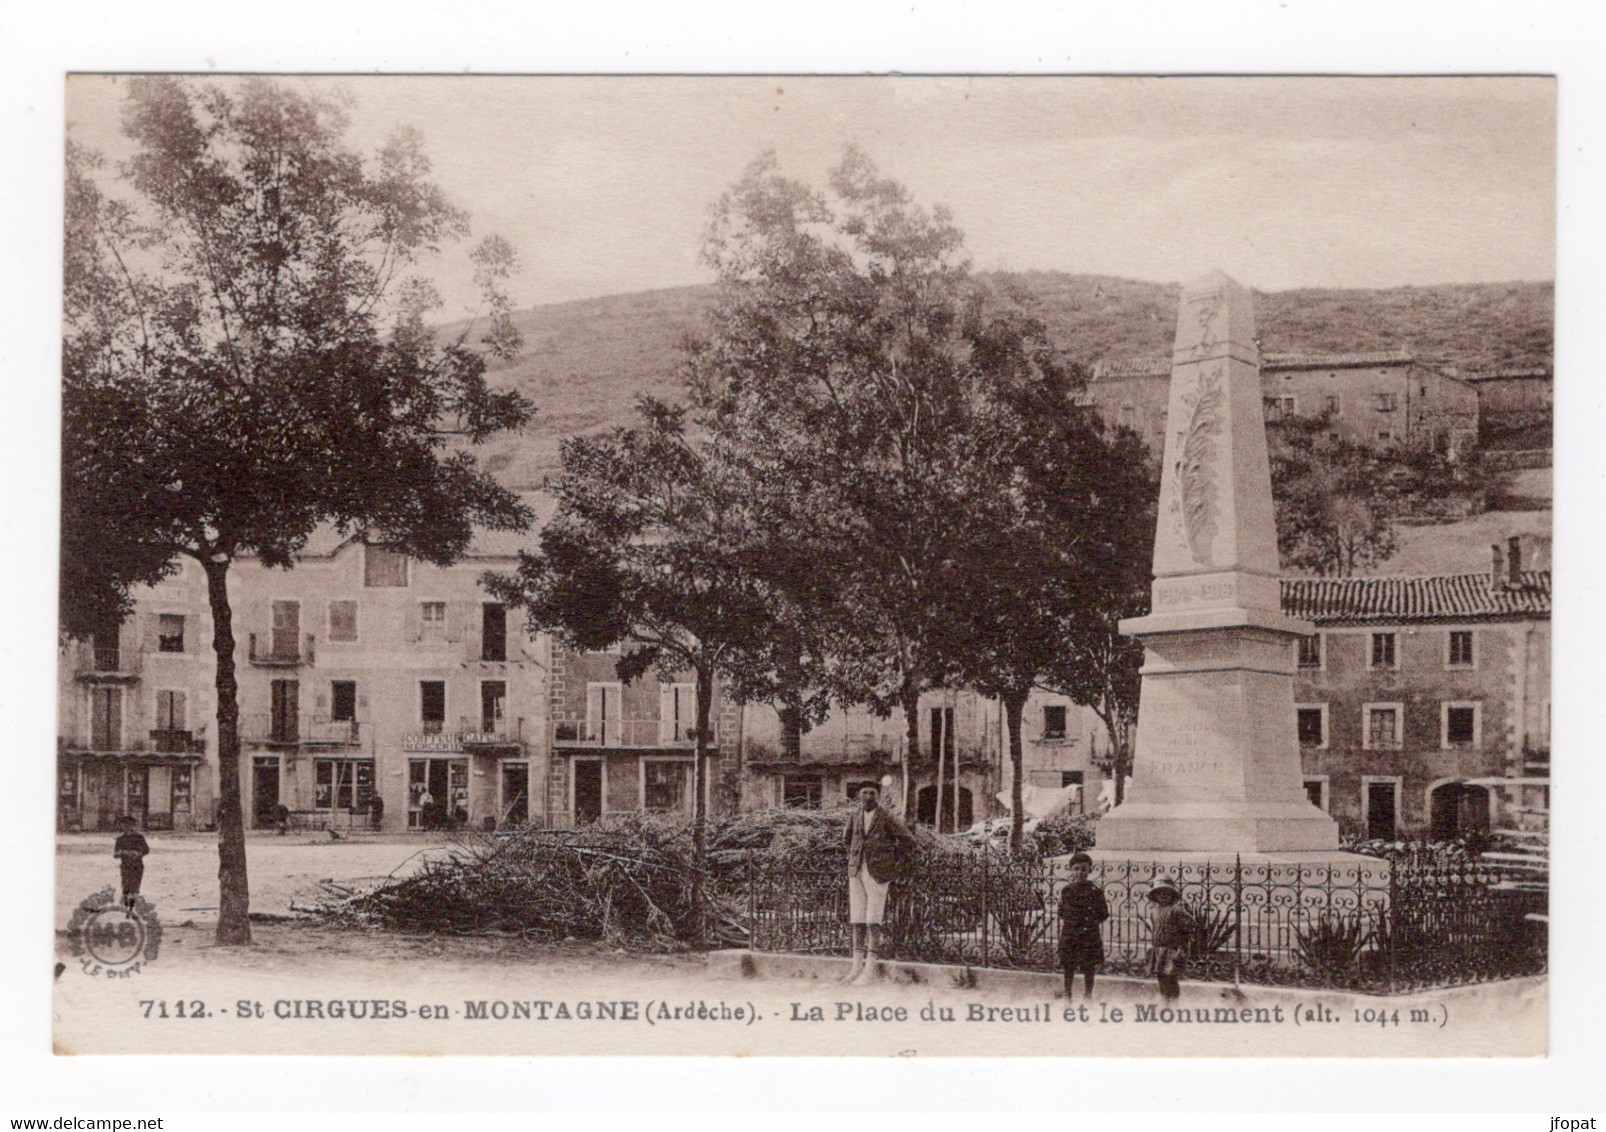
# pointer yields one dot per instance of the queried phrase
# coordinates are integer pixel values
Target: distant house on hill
(1513, 401)
(1423, 704)
(1379, 399)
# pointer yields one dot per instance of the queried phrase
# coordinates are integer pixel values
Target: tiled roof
(1505, 374)
(1454, 597)
(1153, 366)
(1335, 361)
(1157, 365)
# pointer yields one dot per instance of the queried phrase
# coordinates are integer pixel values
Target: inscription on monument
(1188, 769)
(1218, 591)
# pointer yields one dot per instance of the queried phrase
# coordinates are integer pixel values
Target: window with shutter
(603, 725)
(343, 701)
(342, 621)
(383, 568)
(432, 705)
(169, 711)
(493, 631)
(170, 632)
(677, 713)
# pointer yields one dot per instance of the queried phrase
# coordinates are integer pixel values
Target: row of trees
(881, 485)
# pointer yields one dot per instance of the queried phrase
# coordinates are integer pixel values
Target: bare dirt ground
(256, 999)
(181, 872)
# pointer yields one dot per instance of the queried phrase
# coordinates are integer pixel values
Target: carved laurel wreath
(1195, 470)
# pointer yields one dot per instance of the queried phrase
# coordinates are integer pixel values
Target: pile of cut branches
(627, 882)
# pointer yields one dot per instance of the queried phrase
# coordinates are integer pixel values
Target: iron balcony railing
(306, 730)
(174, 742)
(494, 732)
(639, 734)
(279, 651)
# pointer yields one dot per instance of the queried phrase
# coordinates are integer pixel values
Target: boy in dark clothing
(1083, 910)
(130, 851)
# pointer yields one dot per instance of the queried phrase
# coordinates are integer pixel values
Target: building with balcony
(1423, 704)
(628, 748)
(134, 711)
(957, 773)
(374, 692)
(382, 692)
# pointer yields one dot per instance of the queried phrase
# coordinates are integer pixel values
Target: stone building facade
(1380, 399)
(135, 710)
(374, 692)
(619, 748)
(1514, 402)
(1423, 703)
(962, 745)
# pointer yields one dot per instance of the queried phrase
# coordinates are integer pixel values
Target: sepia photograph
(688, 566)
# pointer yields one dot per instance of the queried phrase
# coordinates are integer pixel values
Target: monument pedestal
(1310, 868)
(1217, 767)
(1233, 827)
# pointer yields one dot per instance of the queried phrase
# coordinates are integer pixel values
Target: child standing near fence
(1083, 911)
(1171, 927)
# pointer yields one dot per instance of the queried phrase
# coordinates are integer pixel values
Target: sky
(605, 184)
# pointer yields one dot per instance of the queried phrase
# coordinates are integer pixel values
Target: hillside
(585, 363)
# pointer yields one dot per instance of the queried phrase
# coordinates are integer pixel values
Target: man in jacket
(875, 841)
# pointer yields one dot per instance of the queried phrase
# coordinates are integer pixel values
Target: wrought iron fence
(1361, 924)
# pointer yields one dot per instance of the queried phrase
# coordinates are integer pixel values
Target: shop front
(94, 791)
(437, 781)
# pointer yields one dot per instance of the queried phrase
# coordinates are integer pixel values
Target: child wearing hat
(131, 849)
(1083, 910)
(1170, 929)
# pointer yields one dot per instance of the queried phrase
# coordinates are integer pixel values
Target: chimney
(1499, 579)
(1514, 559)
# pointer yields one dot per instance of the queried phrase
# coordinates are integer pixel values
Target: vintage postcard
(802, 566)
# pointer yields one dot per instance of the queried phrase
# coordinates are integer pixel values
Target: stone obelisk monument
(1216, 764)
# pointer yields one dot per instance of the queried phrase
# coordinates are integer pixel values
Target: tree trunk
(910, 695)
(1120, 754)
(1014, 709)
(234, 890)
(699, 781)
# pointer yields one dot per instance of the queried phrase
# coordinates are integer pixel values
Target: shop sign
(432, 741)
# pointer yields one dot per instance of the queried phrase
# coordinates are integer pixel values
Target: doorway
(926, 808)
(437, 793)
(158, 796)
(1381, 813)
(1457, 810)
(515, 793)
(587, 791)
(264, 792)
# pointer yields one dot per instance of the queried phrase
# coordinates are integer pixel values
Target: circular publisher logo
(113, 940)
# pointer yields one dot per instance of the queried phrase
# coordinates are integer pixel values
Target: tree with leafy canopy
(1333, 517)
(246, 358)
(656, 545)
(1062, 549)
(847, 353)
